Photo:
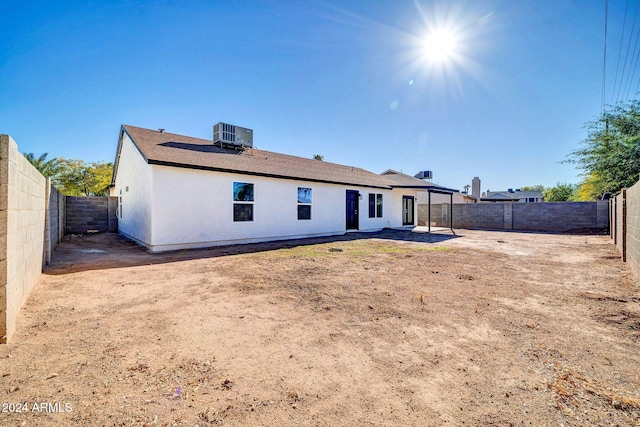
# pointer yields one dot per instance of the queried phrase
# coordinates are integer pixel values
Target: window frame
(376, 203)
(379, 204)
(243, 202)
(304, 204)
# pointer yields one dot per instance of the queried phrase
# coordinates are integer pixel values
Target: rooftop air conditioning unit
(227, 134)
(424, 175)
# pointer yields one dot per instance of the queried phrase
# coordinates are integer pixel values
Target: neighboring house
(180, 192)
(466, 198)
(512, 196)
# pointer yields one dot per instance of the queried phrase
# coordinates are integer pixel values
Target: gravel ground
(391, 328)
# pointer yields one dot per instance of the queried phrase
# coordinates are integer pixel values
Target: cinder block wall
(439, 215)
(482, 216)
(90, 214)
(57, 218)
(22, 225)
(556, 217)
(422, 214)
(55, 221)
(633, 228)
(619, 228)
(112, 209)
(602, 215)
(488, 216)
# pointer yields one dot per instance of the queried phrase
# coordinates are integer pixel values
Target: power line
(637, 88)
(635, 65)
(624, 67)
(632, 64)
(624, 24)
(604, 62)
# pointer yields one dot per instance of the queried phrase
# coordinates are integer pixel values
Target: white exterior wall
(394, 209)
(133, 183)
(193, 208)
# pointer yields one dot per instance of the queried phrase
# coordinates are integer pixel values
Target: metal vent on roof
(424, 175)
(226, 134)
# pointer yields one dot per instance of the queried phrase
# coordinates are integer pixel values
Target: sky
(505, 99)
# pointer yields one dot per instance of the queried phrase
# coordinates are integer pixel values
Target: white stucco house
(179, 192)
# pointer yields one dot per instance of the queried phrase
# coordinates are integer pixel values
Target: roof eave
(252, 173)
(123, 130)
(116, 162)
(431, 188)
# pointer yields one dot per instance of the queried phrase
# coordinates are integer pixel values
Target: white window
(243, 201)
(304, 203)
(375, 205)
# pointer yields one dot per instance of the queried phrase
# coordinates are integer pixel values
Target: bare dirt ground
(390, 329)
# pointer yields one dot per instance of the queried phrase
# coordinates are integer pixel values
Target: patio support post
(451, 214)
(429, 211)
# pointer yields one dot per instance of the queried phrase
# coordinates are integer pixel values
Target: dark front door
(352, 210)
(407, 210)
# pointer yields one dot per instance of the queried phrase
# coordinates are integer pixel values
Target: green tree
(610, 154)
(560, 193)
(592, 188)
(533, 188)
(102, 174)
(318, 157)
(78, 178)
(45, 167)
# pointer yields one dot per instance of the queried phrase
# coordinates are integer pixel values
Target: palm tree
(318, 157)
(44, 166)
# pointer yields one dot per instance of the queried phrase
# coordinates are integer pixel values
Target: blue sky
(346, 79)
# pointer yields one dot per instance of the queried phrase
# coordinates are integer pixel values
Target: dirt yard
(390, 329)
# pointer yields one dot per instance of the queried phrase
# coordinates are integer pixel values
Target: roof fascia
(116, 162)
(124, 131)
(440, 191)
(431, 189)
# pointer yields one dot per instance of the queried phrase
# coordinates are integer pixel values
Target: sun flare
(440, 45)
(442, 50)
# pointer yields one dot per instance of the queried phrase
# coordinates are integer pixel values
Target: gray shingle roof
(515, 195)
(163, 148)
(399, 179)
